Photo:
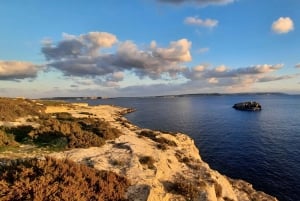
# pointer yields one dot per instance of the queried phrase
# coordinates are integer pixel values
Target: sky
(114, 48)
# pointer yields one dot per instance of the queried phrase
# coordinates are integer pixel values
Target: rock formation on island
(158, 165)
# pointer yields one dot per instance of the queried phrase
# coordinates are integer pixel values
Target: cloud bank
(283, 25)
(17, 70)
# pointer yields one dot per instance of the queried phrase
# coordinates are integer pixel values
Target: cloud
(223, 71)
(283, 25)
(276, 78)
(197, 2)
(203, 50)
(16, 70)
(82, 56)
(213, 80)
(201, 22)
(223, 76)
(297, 65)
(221, 68)
(75, 46)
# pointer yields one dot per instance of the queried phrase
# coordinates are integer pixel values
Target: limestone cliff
(160, 166)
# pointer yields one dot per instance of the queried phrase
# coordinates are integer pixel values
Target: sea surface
(262, 148)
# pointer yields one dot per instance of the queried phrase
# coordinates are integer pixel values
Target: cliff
(160, 166)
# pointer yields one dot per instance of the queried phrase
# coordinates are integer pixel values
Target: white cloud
(178, 51)
(15, 70)
(196, 21)
(213, 80)
(297, 65)
(199, 68)
(283, 25)
(198, 2)
(203, 50)
(221, 68)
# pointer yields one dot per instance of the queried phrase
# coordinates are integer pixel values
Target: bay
(262, 148)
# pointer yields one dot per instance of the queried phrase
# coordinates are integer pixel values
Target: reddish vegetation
(50, 179)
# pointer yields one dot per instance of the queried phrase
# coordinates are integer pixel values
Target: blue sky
(148, 47)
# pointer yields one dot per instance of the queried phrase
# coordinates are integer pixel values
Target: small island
(247, 106)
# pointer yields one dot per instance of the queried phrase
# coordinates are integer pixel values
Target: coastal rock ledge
(159, 165)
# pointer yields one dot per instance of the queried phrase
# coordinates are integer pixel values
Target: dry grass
(11, 109)
(50, 179)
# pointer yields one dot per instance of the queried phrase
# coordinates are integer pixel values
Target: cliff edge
(160, 166)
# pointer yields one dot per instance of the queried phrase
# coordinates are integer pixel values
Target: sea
(261, 147)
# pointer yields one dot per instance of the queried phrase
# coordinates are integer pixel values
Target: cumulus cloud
(196, 21)
(297, 65)
(283, 25)
(83, 56)
(75, 46)
(197, 2)
(15, 70)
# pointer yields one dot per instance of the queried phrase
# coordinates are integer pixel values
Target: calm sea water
(262, 148)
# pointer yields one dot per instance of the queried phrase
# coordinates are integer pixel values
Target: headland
(158, 165)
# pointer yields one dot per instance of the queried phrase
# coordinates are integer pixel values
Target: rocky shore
(159, 166)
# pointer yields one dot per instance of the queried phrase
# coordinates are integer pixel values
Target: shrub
(184, 187)
(64, 116)
(147, 160)
(7, 139)
(51, 179)
(20, 133)
(163, 143)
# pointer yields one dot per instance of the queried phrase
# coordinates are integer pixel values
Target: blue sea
(262, 147)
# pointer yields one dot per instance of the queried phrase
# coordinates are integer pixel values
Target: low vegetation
(162, 143)
(11, 109)
(185, 187)
(6, 139)
(51, 179)
(148, 161)
(62, 131)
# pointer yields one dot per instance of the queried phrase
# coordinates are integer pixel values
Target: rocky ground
(159, 166)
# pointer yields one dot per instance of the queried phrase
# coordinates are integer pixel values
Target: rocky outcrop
(160, 166)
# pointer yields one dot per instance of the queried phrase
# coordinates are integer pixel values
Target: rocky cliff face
(160, 166)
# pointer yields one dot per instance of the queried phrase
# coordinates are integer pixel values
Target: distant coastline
(80, 98)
